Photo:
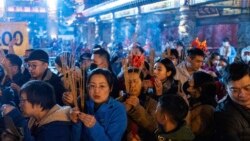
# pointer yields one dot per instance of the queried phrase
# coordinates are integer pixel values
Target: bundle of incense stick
(151, 61)
(70, 78)
(142, 65)
(125, 73)
(73, 87)
(82, 88)
(65, 69)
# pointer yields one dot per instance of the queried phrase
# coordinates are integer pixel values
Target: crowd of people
(184, 94)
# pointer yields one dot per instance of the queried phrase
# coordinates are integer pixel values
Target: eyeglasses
(33, 66)
(94, 87)
(239, 90)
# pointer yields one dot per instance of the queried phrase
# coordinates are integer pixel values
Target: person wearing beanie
(38, 62)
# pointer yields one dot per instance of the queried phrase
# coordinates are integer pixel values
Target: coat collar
(57, 113)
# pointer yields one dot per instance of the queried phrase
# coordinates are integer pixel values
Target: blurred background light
(52, 9)
(2, 8)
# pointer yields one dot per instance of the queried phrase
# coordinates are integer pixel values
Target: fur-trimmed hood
(57, 113)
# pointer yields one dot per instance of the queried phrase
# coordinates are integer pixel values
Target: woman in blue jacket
(104, 119)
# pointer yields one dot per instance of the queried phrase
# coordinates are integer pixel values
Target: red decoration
(137, 61)
(200, 45)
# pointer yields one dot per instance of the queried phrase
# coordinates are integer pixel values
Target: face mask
(246, 59)
(226, 44)
(216, 63)
(218, 68)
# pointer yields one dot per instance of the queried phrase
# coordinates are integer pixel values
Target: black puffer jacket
(232, 121)
(57, 84)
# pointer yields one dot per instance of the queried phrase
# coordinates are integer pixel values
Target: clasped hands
(88, 120)
(131, 101)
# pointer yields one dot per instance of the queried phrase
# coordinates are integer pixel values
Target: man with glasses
(232, 115)
(38, 62)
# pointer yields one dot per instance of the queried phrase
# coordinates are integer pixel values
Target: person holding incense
(163, 81)
(65, 65)
(140, 109)
(70, 75)
(103, 118)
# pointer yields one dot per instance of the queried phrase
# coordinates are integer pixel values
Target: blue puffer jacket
(111, 122)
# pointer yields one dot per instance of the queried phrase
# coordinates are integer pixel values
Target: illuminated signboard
(168, 4)
(229, 11)
(106, 17)
(127, 12)
(18, 30)
(106, 6)
(2, 8)
(91, 19)
(192, 2)
(78, 1)
(207, 12)
(26, 9)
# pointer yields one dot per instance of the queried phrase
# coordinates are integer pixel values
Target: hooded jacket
(55, 125)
